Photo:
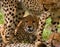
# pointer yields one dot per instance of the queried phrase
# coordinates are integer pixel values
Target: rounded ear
(26, 14)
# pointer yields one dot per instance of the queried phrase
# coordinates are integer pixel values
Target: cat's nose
(29, 26)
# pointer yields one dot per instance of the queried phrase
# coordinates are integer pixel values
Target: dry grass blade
(18, 27)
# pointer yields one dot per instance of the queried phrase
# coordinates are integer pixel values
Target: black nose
(29, 26)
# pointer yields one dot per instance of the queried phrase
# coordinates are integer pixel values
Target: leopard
(27, 29)
(12, 14)
(34, 37)
(11, 24)
(47, 7)
(9, 10)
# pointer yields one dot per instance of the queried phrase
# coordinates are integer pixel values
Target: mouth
(30, 30)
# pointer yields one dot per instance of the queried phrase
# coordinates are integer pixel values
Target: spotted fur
(13, 12)
(10, 10)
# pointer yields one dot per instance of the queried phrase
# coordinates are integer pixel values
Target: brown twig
(18, 27)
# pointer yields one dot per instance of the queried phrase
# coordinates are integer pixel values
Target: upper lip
(30, 30)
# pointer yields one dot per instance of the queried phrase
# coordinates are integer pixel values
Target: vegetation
(1, 18)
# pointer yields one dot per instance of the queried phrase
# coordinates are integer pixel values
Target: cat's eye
(26, 21)
(33, 21)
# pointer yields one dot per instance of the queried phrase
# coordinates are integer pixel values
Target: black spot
(54, 23)
(16, 15)
(5, 0)
(13, 9)
(8, 29)
(41, 22)
(12, 28)
(15, 25)
(7, 9)
(1, 40)
(1, 44)
(10, 8)
(33, 37)
(13, 22)
(15, 0)
(42, 18)
(5, 24)
(9, 12)
(9, 5)
(45, 9)
(49, 15)
(33, 21)
(6, 16)
(52, 30)
(47, 43)
(16, 20)
(12, 14)
(13, 4)
(23, 12)
(56, 29)
(41, 26)
(41, 30)
(9, 26)
(11, 1)
(40, 34)
(6, 21)
(57, 22)
(38, 39)
(44, 23)
(19, 8)
(58, 16)
(10, 20)
(8, 33)
(52, 45)
(7, 36)
(42, 45)
(19, 13)
(2, 5)
(19, 18)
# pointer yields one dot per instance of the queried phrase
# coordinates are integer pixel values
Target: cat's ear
(26, 14)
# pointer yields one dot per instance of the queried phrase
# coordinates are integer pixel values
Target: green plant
(1, 18)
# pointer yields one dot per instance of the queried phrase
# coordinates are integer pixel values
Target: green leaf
(1, 18)
(46, 34)
(58, 28)
(48, 21)
(46, 31)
